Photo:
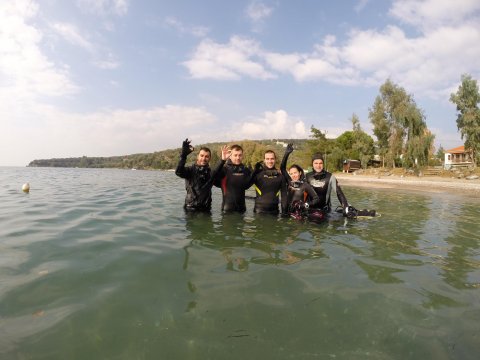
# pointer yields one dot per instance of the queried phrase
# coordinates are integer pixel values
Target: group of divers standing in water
(299, 195)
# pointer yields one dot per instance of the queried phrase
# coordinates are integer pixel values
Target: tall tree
(399, 125)
(440, 153)
(467, 99)
(362, 144)
(319, 142)
(381, 128)
(355, 123)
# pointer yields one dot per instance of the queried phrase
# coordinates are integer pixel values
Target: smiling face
(269, 160)
(294, 173)
(203, 158)
(317, 165)
(236, 157)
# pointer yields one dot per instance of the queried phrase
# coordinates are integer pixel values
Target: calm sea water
(104, 264)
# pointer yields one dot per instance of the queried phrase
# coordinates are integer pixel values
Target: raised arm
(217, 171)
(181, 170)
(283, 165)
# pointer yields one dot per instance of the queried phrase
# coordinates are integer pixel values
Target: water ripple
(106, 264)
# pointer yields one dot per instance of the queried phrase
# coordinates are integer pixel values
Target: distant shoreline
(429, 184)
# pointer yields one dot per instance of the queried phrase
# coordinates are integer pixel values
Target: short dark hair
(270, 152)
(299, 168)
(204, 148)
(236, 147)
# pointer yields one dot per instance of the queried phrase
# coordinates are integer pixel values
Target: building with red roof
(458, 157)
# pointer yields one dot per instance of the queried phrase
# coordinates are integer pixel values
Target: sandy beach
(425, 183)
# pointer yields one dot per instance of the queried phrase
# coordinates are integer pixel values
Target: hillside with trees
(168, 159)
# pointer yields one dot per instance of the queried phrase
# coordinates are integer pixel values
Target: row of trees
(354, 144)
(403, 138)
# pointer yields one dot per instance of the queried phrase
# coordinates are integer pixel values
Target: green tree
(362, 143)
(381, 128)
(335, 159)
(440, 153)
(400, 127)
(83, 162)
(467, 98)
(320, 144)
(345, 141)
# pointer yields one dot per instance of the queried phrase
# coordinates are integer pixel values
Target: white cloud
(108, 62)
(276, 124)
(102, 58)
(138, 130)
(427, 63)
(370, 50)
(25, 70)
(240, 57)
(428, 13)
(271, 124)
(361, 4)
(324, 63)
(104, 7)
(71, 34)
(258, 11)
(197, 31)
(369, 57)
(282, 62)
(103, 133)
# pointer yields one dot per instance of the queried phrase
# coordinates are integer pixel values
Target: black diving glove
(258, 167)
(366, 212)
(186, 148)
(350, 212)
(289, 148)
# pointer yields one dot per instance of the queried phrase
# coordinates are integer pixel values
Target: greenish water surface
(104, 264)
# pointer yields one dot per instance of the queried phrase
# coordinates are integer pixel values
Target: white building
(458, 157)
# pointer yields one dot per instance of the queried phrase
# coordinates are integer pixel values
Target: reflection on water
(244, 240)
(105, 264)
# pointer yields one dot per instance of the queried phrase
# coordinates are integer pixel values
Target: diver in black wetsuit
(197, 178)
(233, 178)
(269, 184)
(324, 182)
(297, 187)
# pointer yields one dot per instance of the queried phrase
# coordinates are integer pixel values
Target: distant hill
(168, 159)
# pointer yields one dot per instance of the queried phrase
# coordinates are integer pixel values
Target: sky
(118, 77)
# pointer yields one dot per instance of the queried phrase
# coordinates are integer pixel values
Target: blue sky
(116, 77)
